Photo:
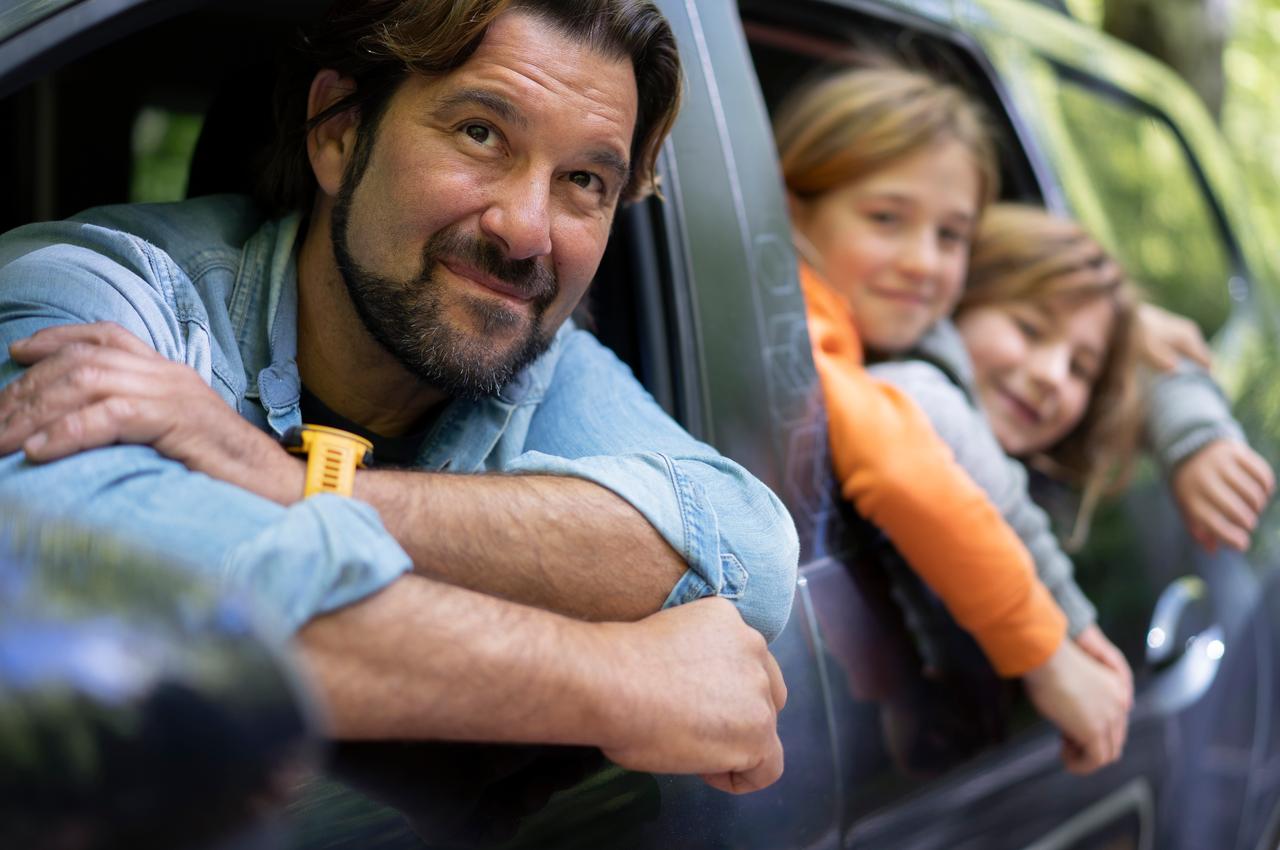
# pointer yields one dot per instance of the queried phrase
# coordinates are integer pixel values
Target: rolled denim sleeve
(597, 423)
(296, 562)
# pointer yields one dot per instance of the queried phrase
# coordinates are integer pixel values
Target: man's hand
(688, 690)
(95, 385)
(1165, 338)
(697, 691)
(1086, 701)
(1221, 491)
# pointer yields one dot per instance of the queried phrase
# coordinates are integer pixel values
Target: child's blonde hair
(854, 122)
(1024, 253)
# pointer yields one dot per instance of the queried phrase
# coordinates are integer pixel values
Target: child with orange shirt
(888, 171)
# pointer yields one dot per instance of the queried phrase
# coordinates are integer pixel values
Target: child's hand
(1086, 701)
(1222, 490)
(1095, 643)
(1164, 338)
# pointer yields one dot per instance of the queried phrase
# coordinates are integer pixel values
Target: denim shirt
(210, 284)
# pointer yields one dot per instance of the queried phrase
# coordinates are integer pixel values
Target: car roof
(40, 36)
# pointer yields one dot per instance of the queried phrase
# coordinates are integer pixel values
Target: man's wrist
(284, 477)
(595, 681)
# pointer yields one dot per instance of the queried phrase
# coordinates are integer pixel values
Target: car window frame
(1239, 267)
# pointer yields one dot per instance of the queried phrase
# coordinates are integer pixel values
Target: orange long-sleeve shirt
(901, 476)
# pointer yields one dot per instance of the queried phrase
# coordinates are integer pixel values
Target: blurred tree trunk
(1187, 34)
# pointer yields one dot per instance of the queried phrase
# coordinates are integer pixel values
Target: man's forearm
(422, 660)
(564, 544)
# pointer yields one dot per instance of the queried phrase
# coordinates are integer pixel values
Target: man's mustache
(530, 277)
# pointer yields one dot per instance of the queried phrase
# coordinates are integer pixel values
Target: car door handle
(1182, 612)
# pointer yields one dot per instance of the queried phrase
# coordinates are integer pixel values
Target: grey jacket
(1186, 410)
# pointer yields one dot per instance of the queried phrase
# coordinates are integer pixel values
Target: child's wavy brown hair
(1024, 253)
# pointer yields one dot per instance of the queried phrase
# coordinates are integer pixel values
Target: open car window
(864, 597)
(1142, 192)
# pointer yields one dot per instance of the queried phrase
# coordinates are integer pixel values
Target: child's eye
(1028, 328)
(952, 236)
(884, 217)
(1083, 371)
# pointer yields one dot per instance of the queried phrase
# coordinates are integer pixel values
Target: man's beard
(407, 318)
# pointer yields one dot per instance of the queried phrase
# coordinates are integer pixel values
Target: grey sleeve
(1185, 411)
(965, 429)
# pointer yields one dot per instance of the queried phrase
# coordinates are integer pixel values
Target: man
(450, 183)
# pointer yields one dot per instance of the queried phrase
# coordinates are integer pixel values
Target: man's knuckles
(116, 412)
(86, 377)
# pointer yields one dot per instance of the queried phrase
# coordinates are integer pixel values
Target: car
(698, 293)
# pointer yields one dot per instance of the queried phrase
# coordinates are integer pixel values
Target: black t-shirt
(387, 451)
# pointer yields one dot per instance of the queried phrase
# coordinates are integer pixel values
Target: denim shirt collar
(264, 313)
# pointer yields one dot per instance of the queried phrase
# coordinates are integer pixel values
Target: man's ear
(329, 146)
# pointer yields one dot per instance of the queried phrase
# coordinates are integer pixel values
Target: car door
(956, 764)
(1140, 161)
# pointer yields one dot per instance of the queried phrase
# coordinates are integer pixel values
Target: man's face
(484, 207)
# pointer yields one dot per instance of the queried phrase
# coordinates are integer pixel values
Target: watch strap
(333, 456)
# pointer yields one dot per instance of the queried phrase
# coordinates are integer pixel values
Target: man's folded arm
(614, 510)
(618, 511)
(732, 532)
(298, 562)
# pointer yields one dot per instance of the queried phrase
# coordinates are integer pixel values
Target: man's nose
(519, 215)
(920, 255)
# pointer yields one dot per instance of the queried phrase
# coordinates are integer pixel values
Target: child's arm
(964, 428)
(950, 534)
(1220, 484)
(902, 477)
(966, 431)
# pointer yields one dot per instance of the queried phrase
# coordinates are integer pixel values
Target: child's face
(895, 244)
(1035, 364)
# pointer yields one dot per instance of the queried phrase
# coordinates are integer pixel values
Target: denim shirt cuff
(324, 553)
(673, 503)
(692, 586)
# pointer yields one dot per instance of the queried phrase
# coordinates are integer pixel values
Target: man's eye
(478, 133)
(585, 180)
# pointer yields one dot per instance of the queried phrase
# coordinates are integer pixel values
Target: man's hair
(379, 43)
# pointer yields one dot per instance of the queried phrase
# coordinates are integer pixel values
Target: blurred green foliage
(1251, 107)
(1158, 221)
(163, 143)
(1251, 112)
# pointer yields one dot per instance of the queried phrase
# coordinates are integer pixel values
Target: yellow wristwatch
(333, 456)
